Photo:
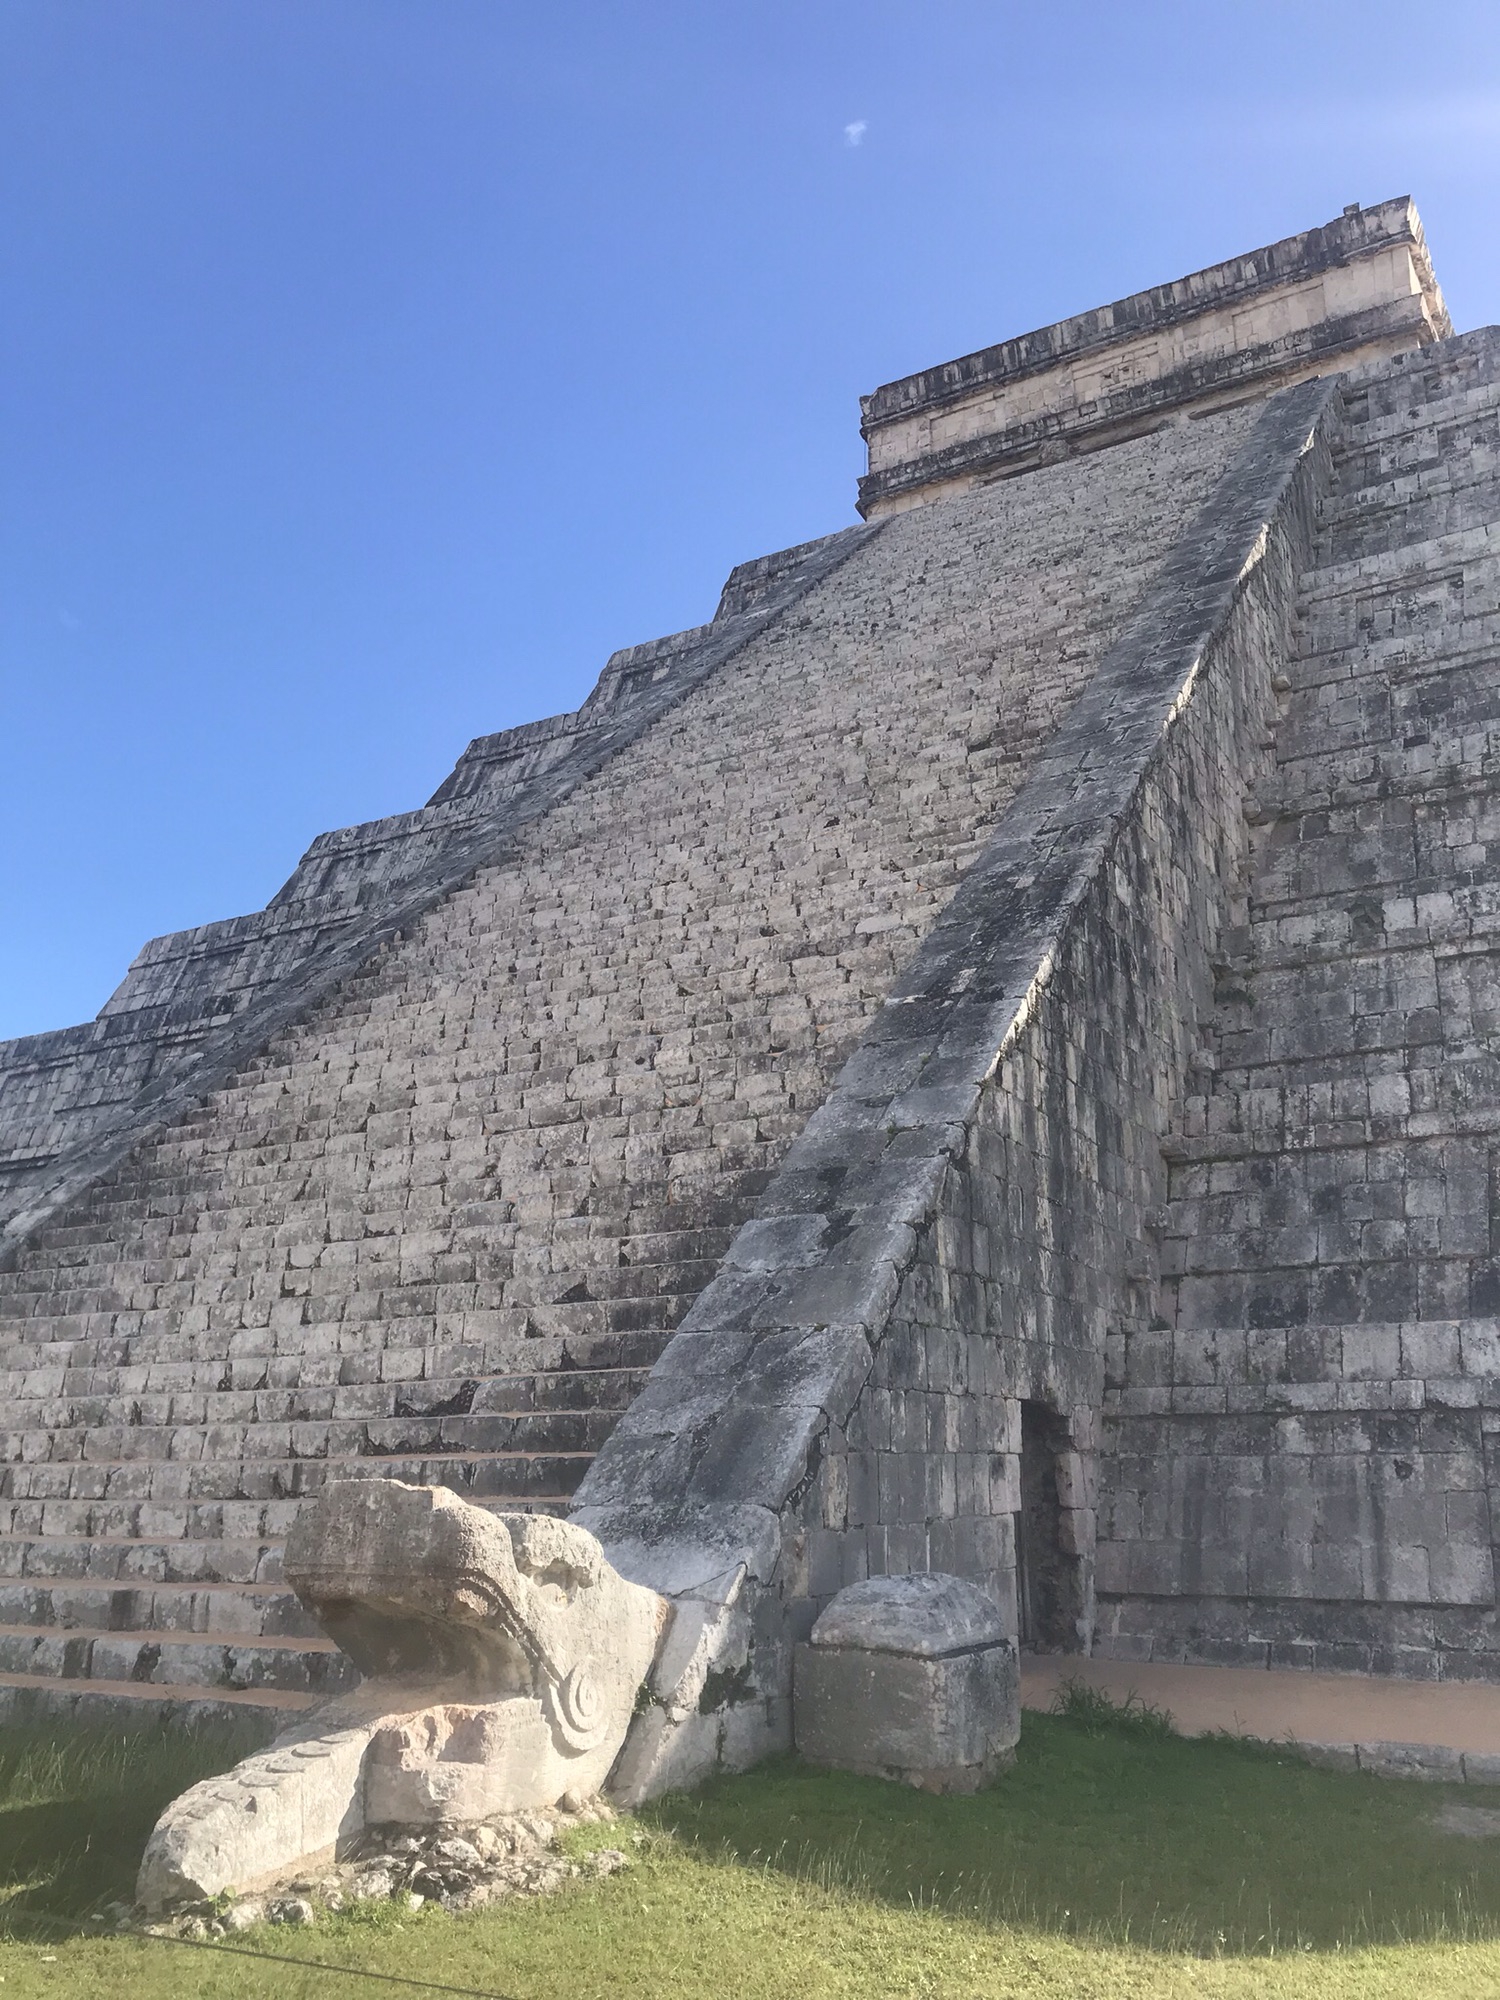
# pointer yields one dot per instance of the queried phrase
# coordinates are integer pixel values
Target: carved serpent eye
(577, 1710)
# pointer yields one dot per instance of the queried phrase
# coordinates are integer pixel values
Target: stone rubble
(515, 1855)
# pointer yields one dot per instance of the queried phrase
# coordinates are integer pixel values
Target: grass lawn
(1111, 1862)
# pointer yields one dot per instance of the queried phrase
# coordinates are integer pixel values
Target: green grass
(1115, 1860)
(76, 1807)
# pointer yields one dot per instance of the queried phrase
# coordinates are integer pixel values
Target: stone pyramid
(982, 1058)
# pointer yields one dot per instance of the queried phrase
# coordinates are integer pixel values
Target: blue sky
(370, 369)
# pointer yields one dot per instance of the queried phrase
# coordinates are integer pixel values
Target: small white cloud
(855, 131)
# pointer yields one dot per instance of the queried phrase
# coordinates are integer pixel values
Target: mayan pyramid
(981, 1058)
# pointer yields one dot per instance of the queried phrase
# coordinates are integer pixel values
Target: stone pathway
(1448, 1730)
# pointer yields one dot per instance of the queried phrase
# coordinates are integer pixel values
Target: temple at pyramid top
(1361, 288)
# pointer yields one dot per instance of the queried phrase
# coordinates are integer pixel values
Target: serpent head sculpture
(501, 1656)
(511, 1645)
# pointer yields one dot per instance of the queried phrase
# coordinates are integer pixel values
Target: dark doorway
(1046, 1578)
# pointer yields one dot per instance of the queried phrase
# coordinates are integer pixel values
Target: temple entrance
(1047, 1580)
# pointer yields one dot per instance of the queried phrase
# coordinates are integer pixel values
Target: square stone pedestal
(910, 1678)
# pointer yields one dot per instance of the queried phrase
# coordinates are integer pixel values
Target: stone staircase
(1303, 1445)
(439, 1213)
(150, 1481)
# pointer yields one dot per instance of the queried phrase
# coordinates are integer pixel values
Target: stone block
(910, 1678)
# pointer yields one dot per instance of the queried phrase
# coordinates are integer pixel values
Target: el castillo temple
(982, 1060)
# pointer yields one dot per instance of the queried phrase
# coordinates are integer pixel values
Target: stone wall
(1303, 1467)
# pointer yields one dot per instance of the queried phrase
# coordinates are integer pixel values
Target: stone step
(139, 1545)
(82, 1544)
(313, 1667)
(159, 1309)
(26, 1697)
(495, 1476)
(102, 1341)
(177, 1277)
(166, 1394)
(549, 1432)
(226, 1613)
(163, 1226)
(650, 1222)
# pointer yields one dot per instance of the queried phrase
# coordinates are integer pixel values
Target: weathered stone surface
(292, 1805)
(1111, 872)
(926, 1615)
(526, 1647)
(910, 1678)
(442, 1227)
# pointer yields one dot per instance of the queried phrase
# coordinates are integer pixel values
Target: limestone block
(910, 1678)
